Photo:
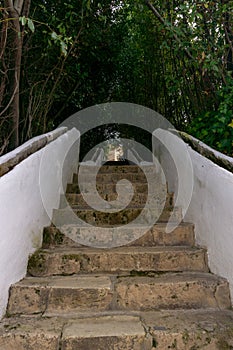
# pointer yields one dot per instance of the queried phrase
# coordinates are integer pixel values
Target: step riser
(113, 178)
(209, 330)
(123, 169)
(183, 235)
(177, 295)
(106, 189)
(29, 341)
(97, 218)
(110, 262)
(77, 201)
(124, 294)
(188, 340)
(103, 343)
(190, 330)
(123, 332)
(39, 299)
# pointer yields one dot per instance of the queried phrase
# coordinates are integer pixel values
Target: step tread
(121, 331)
(119, 217)
(187, 290)
(130, 207)
(63, 260)
(182, 235)
(119, 168)
(182, 329)
(190, 329)
(171, 277)
(122, 250)
(104, 326)
(134, 292)
(108, 188)
(157, 225)
(67, 282)
(106, 280)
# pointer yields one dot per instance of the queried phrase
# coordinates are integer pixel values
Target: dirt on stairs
(154, 292)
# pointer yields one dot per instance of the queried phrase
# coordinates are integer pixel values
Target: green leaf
(23, 20)
(31, 25)
(89, 4)
(231, 124)
(54, 36)
(63, 48)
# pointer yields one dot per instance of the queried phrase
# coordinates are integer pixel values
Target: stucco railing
(11, 159)
(218, 158)
(210, 206)
(33, 177)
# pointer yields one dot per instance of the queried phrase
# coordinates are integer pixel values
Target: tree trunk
(16, 9)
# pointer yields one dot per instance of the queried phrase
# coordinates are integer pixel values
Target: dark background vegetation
(174, 56)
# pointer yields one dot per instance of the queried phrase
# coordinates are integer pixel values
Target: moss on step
(225, 342)
(75, 257)
(10, 327)
(36, 263)
(82, 259)
(52, 236)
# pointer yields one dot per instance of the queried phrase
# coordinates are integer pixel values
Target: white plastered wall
(28, 195)
(211, 203)
(211, 210)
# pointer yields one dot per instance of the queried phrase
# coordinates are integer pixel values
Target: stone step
(60, 293)
(110, 188)
(115, 177)
(56, 294)
(31, 333)
(139, 199)
(173, 291)
(173, 329)
(118, 260)
(115, 332)
(124, 332)
(149, 216)
(190, 329)
(122, 169)
(183, 235)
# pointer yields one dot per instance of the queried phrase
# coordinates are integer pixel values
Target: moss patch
(36, 263)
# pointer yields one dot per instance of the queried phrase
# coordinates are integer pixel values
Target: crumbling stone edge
(13, 158)
(216, 157)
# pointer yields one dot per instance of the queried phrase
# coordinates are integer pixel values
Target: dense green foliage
(172, 56)
(216, 127)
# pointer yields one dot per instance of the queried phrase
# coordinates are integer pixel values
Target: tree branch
(162, 21)
(9, 103)
(18, 5)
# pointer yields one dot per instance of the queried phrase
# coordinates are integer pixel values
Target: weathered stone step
(120, 332)
(173, 291)
(139, 199)
(118, 260)
(31, 333)
(74, 293)
(64, 294)
(100, 218)
(183, 235)
(115, 177)
(110, 332)
(190, 329)
(122, 169)
(174, 329)
(110, 188)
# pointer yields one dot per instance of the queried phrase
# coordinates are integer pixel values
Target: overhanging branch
(162, 21)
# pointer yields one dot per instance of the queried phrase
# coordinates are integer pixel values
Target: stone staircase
(154, 292)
